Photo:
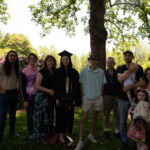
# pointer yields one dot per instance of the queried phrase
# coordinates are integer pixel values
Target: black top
(48, 80)
(74, 85)
(139, 74)
(112, 87)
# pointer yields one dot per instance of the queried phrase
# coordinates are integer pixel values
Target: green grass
(23, 143)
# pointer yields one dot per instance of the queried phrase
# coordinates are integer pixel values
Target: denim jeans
(8, 102)
(30, 113)
(123, 107)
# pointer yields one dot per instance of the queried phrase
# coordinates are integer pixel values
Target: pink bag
(139, 134)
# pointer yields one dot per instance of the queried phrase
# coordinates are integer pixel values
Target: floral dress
(44, 109)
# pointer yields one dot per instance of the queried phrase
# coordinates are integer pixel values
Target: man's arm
(123, 76)
(81, 89)
(102, 90)
(126, 74)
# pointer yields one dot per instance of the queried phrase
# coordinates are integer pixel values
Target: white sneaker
(79, 145)
(92, 139)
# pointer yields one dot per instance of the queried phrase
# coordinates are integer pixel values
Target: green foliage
(50, 13)
(17, 42)
(120, 17)
(140, 50)
(3, 12)
(77, 62)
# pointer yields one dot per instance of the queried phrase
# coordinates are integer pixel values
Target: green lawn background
(23, 143)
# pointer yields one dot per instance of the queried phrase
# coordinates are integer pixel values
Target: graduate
(67, 96)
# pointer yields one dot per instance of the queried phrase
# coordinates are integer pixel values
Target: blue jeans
(8, 102)
(123, 107)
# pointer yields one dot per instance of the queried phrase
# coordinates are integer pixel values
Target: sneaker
(106, 134)
(79, 145)
(92, 139)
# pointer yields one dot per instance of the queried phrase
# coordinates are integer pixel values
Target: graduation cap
(65, 53)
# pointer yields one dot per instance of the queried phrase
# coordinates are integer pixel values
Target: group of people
(125, 90)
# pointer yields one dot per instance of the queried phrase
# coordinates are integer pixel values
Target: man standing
(9, 79)
(124, 72)
(112, 90)
(92, 80)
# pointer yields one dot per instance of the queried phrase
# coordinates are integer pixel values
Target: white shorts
(88, 105)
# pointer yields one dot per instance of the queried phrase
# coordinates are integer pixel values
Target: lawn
(23, 143)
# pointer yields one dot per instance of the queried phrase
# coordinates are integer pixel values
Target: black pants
(64, 119)
(8, 103)
(30, 113)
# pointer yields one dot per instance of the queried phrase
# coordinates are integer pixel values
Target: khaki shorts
(110, 103)
(88, 105)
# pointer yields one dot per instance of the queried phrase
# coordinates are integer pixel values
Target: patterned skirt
(43, 116)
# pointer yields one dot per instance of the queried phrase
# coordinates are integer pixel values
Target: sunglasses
(93, 59)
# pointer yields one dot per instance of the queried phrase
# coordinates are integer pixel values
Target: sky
(20, 22)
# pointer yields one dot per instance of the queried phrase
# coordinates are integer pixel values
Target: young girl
(141, 115)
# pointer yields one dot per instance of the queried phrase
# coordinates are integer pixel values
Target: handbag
(138, 134)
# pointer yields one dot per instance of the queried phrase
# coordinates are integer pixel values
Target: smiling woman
(9, 90)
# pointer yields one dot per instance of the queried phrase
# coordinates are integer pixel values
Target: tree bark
(98, 33)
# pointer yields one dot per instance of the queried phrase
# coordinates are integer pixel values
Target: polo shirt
(92, 81)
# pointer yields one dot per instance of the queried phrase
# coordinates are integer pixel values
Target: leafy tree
(140, 50)
(17, 42)
(76, 62)
(3, 12)
(119, 17)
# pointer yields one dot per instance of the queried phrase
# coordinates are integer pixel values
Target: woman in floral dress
(44, 101)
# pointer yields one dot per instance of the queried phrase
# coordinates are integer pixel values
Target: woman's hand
(25, 104)
(57, 102)
(51, 92)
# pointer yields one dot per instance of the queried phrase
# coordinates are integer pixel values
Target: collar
(90, 70)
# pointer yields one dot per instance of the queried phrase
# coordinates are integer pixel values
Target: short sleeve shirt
(92, 81)
(138, 75)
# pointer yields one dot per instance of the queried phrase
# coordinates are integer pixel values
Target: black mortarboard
(65, 53)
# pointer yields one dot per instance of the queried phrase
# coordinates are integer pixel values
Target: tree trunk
(98, 33)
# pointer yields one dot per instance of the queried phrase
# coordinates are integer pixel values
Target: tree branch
(136, 5)
(67, 6)
(115, 4)
(106, 20)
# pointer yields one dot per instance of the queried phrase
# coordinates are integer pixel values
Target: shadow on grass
(23, 143)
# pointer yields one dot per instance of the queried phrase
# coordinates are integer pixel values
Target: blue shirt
(92, 81)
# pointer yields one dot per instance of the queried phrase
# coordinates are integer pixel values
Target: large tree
(118, 17)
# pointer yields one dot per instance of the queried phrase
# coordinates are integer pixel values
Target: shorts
(110, 103)
(88, 105)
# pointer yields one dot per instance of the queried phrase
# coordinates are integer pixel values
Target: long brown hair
(51, 57)
(7, 64)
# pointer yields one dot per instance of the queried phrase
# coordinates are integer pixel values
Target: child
(141, 115)
(130, 81)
